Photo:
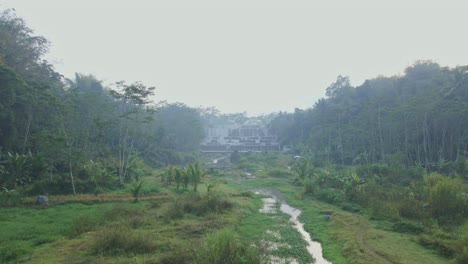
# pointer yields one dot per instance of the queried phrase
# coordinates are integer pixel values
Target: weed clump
(198, 204)
(122, 240)
(226, 247)
(12, 252)
(81, 225)
(122, 212)
(406, 227)
(210, 203)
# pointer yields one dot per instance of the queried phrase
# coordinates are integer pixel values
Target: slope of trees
(416, 118)
(78, 135)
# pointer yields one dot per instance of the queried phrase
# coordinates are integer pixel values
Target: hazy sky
(254, 56)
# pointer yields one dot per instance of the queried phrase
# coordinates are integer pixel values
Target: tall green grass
(23, 229)
(226, 247)
(120, 239)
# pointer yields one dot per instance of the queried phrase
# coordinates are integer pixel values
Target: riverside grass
(67, 231)
(112, 228)
(362, 242)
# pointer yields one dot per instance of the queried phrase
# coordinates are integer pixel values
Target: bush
(81, 225)
(209, 203)
(197, 204)
(225, 247)
(445, 195)
(309, 186)
(330, 196)
(406, 227)
(411, 208)
(120, 239)
(175, 210)
(9, 197)
(354, 208)
(381, 210)
(279, 173)
(13, 251)
(440, 245)
(180, 254)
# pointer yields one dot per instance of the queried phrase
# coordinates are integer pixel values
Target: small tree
(15, 170)
(168, 175)
(185, 178)
(136, 190)
(195, 175)
(303, 171)
(178, 176)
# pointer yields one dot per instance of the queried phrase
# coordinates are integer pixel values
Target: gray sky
(254, 56)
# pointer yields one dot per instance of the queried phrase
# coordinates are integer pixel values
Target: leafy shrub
(247, 165)
(445, 195)
(279, 173)
(309, 186)
(16, 170)
(411, 208)
(198, 204)
(209, 203)
(120, 239)
(440, 245)
(406, 227)
(136, 190)
(226, 247)
(330, 196)
(462, 256)
(9, 197)
(354, 208)
(381, 210)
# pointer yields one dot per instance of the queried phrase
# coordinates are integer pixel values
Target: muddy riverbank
(269, 207)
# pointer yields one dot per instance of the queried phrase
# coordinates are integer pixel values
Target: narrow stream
(314, 248)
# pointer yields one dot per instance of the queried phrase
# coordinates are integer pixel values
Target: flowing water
(314, 247)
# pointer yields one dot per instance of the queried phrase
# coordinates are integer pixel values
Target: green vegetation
(225, 246)
(379, 171)
(418, 118)
(61, 136)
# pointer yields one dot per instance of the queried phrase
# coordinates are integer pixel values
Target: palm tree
(195, 175)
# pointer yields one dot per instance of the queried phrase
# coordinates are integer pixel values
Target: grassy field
(113, 229)
(175, 226)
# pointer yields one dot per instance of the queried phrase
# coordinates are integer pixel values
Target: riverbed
(269, 207)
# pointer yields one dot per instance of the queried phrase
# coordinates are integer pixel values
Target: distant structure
(243, 138)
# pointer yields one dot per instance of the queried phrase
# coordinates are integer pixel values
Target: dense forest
(418, 118)
(56, 132)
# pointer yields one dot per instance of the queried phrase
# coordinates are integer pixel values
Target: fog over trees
(419, 117)
(59, 125)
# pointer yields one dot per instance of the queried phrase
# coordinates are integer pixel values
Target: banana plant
(195, 175)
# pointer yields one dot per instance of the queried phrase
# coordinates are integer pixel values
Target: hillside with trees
(395, 148)
(54, 131)
(418, 118)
